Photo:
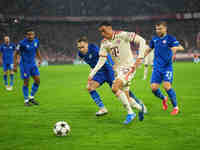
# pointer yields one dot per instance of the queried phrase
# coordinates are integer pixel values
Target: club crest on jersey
(90, 56)
(164, 41)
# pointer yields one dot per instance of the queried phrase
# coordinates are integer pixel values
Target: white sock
(26, 100)
(145, 72)
(176, 107)
(122, 96)
(134, 104)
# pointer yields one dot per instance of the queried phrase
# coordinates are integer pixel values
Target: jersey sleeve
(127, 36)
(79, 54)
(37, 44)
(151, 44)
(103, 49)
(95, 48)
(173, 42)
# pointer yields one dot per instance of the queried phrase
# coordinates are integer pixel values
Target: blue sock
(34, 89)
(134, 97)
(95, 96)
(171, 93)
(11, 79)
(25, 92)
(159, 94)
(5, 79)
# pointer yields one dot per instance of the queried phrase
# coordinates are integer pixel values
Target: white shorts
(122, 74)
(148, 60)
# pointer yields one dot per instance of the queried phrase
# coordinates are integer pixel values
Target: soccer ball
(61, 128)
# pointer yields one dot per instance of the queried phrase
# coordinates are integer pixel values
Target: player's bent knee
(154, 88)
(26, 82)
(115, 89)
(89, 88)
(167, 86)
(37, 80)
(6, 73)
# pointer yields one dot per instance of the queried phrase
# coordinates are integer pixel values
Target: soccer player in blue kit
(28, 50)
(165, 46)
(7, 50)
(90, 54)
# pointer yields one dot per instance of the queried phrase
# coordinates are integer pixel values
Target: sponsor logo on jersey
(35, 44)
(90, 56)
(164, 41)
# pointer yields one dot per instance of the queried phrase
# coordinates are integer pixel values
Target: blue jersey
(92, 57)
(7, 53)
(163, 53)
(28, 50)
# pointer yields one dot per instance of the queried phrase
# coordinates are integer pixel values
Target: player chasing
(117, 44)
(28, 50)
(148, 61)
(164, 46)
(90, 54)
(7, 50)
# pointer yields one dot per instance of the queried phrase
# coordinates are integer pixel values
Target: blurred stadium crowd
(57, 38)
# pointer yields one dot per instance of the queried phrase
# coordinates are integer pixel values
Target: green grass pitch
(63, 96)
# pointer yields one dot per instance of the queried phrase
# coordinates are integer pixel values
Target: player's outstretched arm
(16, 54)
(177, 48)
(38, 54)
(100, 63)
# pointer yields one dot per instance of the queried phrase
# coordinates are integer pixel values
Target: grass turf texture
(63, 96)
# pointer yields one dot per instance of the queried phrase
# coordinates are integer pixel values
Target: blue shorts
(7, 67)
(162, 75)
(104, 76)
(29, 70)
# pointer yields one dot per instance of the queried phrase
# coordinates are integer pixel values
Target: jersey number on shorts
(169, 75)
(115, 51)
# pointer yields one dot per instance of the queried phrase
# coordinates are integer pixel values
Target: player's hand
(15, 68)
(39, 62)
(132, 70)
(114, 67)
(181, 48)
(89, 79)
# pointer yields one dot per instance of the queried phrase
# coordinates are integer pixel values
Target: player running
(7, 49)
(117, 44)
(164, 46)
(90, 54)
(28, 50)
